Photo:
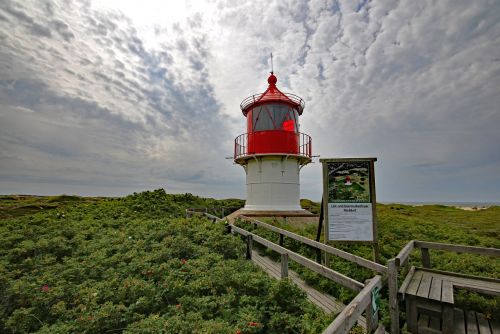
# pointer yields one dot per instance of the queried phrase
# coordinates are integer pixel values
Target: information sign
(349, 199)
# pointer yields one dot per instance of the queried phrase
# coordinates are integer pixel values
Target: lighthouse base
(272, 184)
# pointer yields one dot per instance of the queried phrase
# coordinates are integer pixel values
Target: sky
(113, 97)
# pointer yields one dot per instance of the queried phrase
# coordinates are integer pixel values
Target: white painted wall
(273, 184)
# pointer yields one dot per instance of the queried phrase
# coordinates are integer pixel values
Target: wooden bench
(430, 305)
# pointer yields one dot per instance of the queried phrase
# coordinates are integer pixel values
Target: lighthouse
(273, 150)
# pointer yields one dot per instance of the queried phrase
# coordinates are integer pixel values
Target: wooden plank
(327, 272)
(348, 317)
(471, 322)
(426, 258)
(429, 307)
(436, 286)
(326, 302)
(447, 293)
(249, 247)
(310, 264)
(458, 248)
(371, 318)
(428, 330)
(485, 289)
(345, 159)
(474, 283)
(392, 282)
(495, 327)
(435, 323)
(414, 283)
(425, 286)
(406, 282)
(270, 268)
(459, 322)
(373, 198)
(411, 313)
(329, 249)
(454, 275)
(423, 321)
(284, 265)
(403, 255)
(482, 324)
(447, 321)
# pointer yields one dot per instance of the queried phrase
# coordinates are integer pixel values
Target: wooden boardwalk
(324, 301)
(430, 304)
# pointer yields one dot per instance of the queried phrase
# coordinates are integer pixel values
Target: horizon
(384, 202)
(113, 97)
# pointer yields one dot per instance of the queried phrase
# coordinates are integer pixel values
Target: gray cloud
(412, 82)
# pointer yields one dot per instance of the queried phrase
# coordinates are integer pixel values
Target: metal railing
(304, 148)
(286, 97)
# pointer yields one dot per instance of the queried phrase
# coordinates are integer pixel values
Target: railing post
(371, 318)
(310, 147)
(426, 258)
(281, 240)
(249, 246)
(392, 282)
(284, 265)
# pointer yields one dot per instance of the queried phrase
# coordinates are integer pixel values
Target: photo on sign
(349, 182)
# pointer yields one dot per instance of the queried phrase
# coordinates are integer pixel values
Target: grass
(25, 221)
(136, 265)
(397, 225)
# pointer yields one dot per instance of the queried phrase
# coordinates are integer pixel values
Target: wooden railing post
(426, 258)
(392, 282)
(249, 246)
(284, 265)
(371, 317)
(281, 240)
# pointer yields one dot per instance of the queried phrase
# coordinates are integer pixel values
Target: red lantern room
(273, 150)
(272, 124)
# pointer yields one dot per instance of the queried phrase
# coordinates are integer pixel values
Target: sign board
(349, 199)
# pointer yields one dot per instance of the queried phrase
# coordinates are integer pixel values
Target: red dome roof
(272, 80)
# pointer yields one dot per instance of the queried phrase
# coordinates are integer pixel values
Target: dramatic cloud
(110, 98)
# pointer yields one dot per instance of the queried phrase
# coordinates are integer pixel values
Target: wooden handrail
(361, 303)
(310, 264)
(458, 248)
(403, 255)
(329, 249)
(351, 313)
(402, 258)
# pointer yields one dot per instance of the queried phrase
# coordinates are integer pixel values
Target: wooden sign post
(349, 201)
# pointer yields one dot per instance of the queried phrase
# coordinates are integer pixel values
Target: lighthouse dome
(272, 80)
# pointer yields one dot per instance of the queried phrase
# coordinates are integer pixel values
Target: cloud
(133, 102)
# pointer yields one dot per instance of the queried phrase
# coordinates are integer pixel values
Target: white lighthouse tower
(273, 150)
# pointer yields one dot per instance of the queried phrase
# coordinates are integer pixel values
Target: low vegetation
(398, 224)
(134, 265)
